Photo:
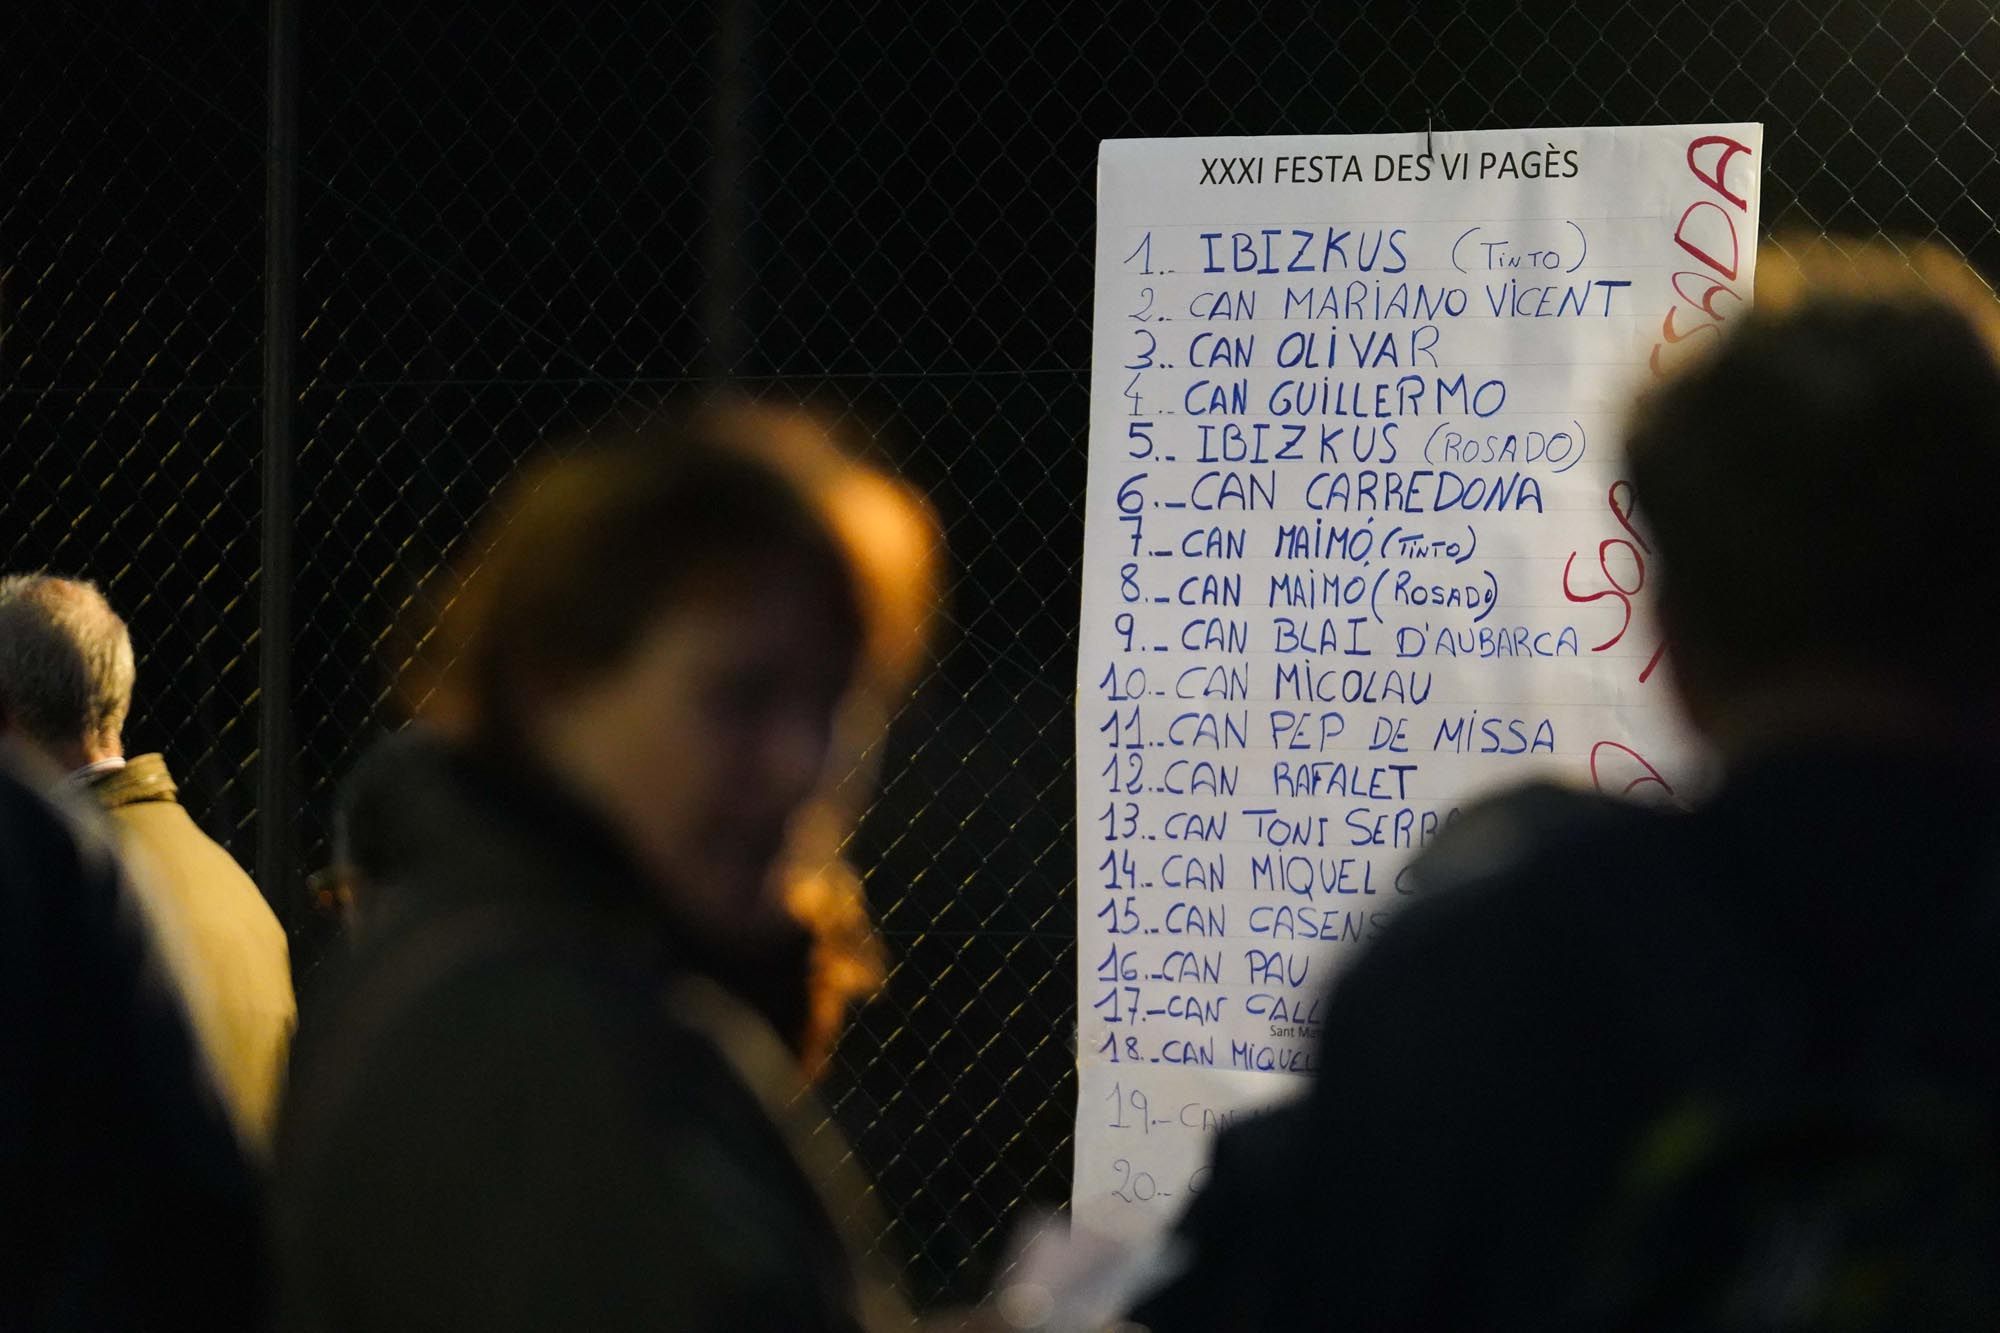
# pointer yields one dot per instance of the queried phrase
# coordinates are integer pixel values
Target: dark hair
(1820, 487)
(590, 546)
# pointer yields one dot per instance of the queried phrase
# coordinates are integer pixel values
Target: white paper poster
(1356, 551)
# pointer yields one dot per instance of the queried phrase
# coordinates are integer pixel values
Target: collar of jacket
(434, 822)
(433, 825)
(144, 777)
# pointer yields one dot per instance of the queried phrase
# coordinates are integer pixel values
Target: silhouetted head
(1820, 487)
(664, 620)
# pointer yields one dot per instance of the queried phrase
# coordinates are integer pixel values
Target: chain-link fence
(512, 217)
(131, 259)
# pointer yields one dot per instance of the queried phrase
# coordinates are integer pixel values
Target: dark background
(514, 216)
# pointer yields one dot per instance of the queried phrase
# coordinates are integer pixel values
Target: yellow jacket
(227, 953)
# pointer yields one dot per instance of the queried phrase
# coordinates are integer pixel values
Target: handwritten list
(1356, 553)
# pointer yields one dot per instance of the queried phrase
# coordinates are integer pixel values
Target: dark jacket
(1575, 971)
(124, 1204)
(526, 1103)
(227, 953)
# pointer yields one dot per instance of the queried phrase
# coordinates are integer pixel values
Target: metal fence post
(275, 813)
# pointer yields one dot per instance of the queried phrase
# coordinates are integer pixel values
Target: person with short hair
(1735, 1066)
(66, 678)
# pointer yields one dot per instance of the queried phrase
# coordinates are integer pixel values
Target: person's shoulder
(56, 852)
(1519, 868)
(498, 984)
(32, 831)
(162, 842)
(438, 952)
(1515, 833)
(416, 1035)
(169, 830)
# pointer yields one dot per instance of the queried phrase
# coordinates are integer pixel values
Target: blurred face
(708, 738)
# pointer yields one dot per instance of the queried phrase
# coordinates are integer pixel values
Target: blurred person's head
(1819, 486)
(66, 669)
(665, 621)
